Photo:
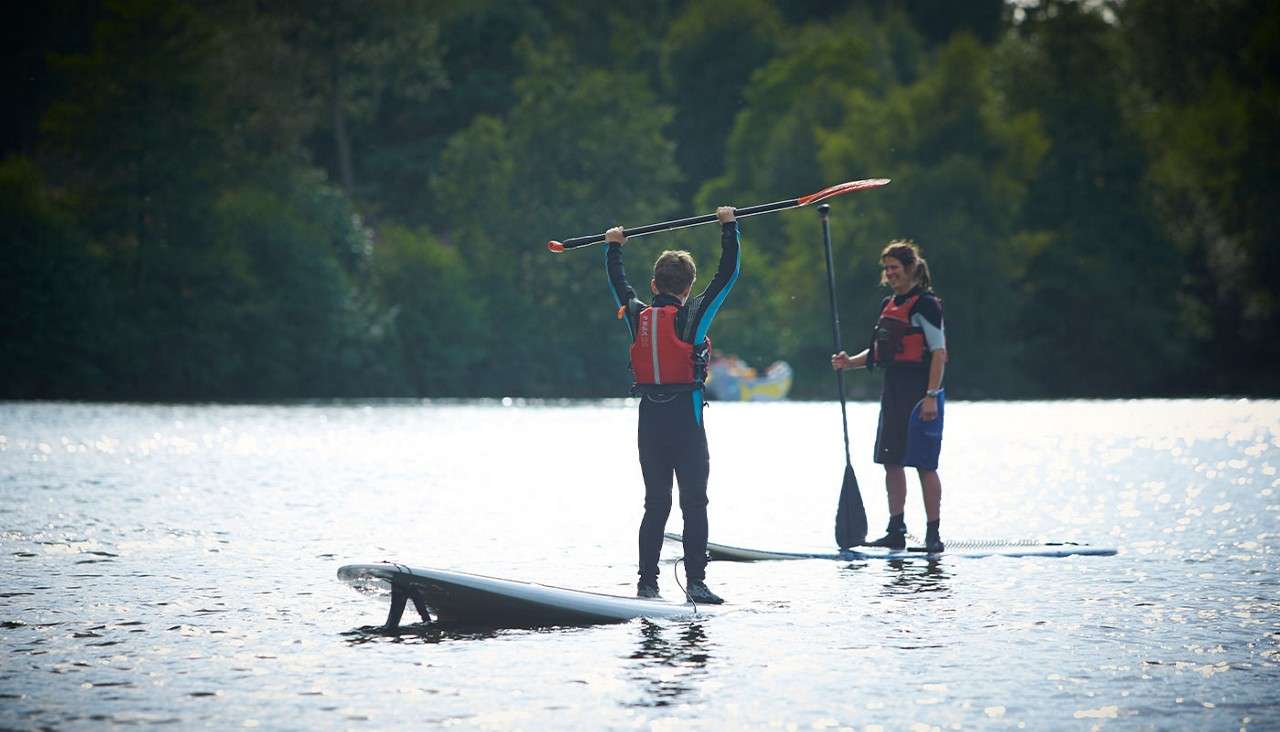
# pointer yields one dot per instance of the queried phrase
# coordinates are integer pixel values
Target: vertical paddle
(851, 516)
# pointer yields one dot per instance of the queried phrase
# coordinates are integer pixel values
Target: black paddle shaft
(742, 213)
(824, 211)
(851, 516)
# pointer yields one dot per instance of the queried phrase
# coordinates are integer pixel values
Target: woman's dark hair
(906, 252)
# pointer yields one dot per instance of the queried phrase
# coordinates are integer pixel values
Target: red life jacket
(897, 341)
(660, 357)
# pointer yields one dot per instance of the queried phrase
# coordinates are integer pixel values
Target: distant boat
(731, 379)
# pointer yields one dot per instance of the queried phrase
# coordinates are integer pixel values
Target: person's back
(669, 354)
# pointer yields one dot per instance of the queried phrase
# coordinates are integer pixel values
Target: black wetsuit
(905, 383)
(671, 438)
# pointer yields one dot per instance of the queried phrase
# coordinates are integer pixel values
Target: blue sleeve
(709, 301)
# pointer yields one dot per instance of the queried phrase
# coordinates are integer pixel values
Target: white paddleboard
(472, 598)
(962, 548)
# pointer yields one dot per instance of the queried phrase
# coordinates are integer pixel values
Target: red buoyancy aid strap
(899, 311)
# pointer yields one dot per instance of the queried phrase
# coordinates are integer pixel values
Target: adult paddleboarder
(909, 344)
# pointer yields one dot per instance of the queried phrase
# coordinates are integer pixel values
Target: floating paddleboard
(449, 596)
(962, 548)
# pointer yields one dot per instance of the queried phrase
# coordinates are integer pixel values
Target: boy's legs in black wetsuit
(658, 473)
(673, 444)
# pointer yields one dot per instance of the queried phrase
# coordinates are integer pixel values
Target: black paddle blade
(851, 517)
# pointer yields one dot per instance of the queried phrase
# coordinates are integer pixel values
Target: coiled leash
(988, 543)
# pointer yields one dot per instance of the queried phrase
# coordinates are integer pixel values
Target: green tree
(231, 266)
(435, 312)
(237, 199)
(137, 142)
(480, 60)
(281, 316)
(57, 310)
(581, 150)
(939, 21)
(1206, 111)
(708, 55)
(53, 27)
(368, 70)
(137, 132)
(1103, 293)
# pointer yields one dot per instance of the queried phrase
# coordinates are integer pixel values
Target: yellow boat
(731, 379)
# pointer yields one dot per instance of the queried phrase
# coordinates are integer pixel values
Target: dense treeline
(230, 199)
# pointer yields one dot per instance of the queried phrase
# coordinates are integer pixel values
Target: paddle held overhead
(822, 195)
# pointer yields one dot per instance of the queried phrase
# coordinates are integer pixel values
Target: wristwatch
(932, 392)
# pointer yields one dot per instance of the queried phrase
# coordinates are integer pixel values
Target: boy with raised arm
(669, 354)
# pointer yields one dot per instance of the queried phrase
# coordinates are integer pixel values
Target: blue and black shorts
(898, 440)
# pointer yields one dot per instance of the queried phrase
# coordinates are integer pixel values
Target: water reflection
(439, 631)
(669, 668)
(417, 633)
(909, 577)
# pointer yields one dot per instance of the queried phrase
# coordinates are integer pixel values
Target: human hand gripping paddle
(825, 193)
(851, 516)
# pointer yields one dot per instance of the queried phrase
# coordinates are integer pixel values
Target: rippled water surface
(176, 565)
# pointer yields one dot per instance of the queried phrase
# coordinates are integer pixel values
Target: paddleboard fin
(399, 597)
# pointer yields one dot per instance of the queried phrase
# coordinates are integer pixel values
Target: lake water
(175, 565)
